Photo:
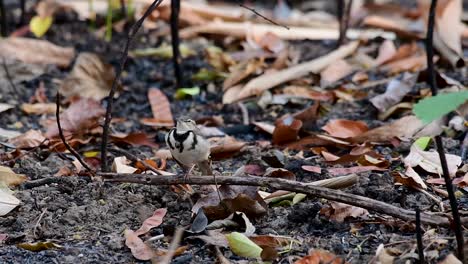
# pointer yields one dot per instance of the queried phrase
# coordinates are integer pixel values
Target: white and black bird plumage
(188, 147)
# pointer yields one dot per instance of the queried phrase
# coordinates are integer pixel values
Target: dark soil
(87, 218)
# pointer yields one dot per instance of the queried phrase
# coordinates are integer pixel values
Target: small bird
(188, 147)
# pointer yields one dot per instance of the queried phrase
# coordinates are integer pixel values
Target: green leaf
(432, 108)
(298, 197)
(207, 75)
(39, 246)
(243, 246)
(184, 92)
(422, 142)
(39, 25)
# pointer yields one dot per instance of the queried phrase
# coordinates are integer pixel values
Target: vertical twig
(438, 140)
(23, 12)
(340, 10)
(123, 9)
(109, 16)
(175, 10)
(419, 237)
(174, 245)
(62, 137)
(131, 34)
(3, 21)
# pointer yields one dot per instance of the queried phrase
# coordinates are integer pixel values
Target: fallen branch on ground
(280, 184)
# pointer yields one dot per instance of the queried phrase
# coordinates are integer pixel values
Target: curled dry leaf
(90, 78)
(404, 127)
(9, 178)
(342, 128)
(339, 211)
(395, 92)
(350, 170)
(410, 179)
(272, 79)
(120, 165)
(154, 221)
(75, 120)
(223, 147)
(315, 169)
(335, 72)
(139, 249)
(430, 161)
(30, 139)
(36, 51)
(39, 108)
(286, 130)
(448, 16)
(161, 108)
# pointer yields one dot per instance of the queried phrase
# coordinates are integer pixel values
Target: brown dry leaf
(36, 51)
(350, 170)
(274, 78)
(270, 42)
(386, 51)
(403, 27)
(154, 221)
(9, 178)
(317, 256)
(404, 51)
(47, 8)
(241, 71)
(315, 169)
(410, 179)
(306, 92)
(342, 128)
(269, 128)
(450, 259)
(39, 108)
(161, 108)
(335, 72)
(30, 139)
(404, 127)
(384, 255)
(280, 173)
(339, 211)
(225, 147)
(448, 24)
(134, 139)
(217, 58)
(430, 161)
(286, 130)
(139, 249)
(412, 64)
(120, 165)
(230, 96)
(396, 90)
(81, 116)
(91, 77)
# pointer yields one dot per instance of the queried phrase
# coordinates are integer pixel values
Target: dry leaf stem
(131, 34)
(281, 184)
(438, 140)
(175, 11)
(419, 237)
(64, 141)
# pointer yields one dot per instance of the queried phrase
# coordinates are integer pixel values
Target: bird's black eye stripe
(168, 141)
(195, 140)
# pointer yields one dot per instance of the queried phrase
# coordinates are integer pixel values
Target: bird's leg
(188, 172)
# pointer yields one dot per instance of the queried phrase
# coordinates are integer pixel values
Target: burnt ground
(87, 218)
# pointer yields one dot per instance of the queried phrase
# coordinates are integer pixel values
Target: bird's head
(186, 124)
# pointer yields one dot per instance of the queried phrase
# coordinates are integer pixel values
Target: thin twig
(123, 9)
(23, 12)
(174, 245)
(262, 16)
(38, 221)
(64, 141)
(131, 34)
(438, 140)
(245, 113)
(41, 182)
(3, 20)
(281, 184)
(419, 237)
(133, 158)
(175, 10)
(340, 10)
